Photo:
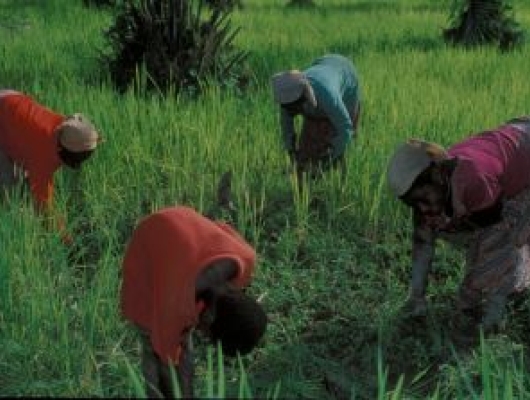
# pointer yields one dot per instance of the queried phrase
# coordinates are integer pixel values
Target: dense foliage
(476, 22)
(177, 43)
(225, 4)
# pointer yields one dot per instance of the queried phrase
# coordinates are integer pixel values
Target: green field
(334, 259)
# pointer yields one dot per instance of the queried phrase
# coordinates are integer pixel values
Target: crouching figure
(476, 195)
(183, 271)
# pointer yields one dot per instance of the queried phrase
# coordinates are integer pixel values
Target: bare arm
(422, 255)
(42, 189)
(288, 131)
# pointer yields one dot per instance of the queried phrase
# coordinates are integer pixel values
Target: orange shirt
(27, 138)
(167, 252)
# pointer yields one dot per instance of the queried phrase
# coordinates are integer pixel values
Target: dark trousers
(156, 374)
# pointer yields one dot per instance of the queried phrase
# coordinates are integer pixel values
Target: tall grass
(333, 257)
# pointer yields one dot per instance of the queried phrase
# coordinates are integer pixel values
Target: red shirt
(27, 138)
(167, 252)
(491, 165)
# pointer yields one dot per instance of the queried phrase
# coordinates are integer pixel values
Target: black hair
(73, 159)
(239, 322)
(295, 102)
(425, 178)
(294, 106)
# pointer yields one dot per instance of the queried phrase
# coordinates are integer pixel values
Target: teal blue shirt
(336, 87)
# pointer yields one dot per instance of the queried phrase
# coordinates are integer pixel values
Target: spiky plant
(224, 4)
(477, 22)
(177, 43)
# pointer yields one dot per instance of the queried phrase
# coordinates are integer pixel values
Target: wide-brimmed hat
(76, 134)
(409, 160)
(289, 86)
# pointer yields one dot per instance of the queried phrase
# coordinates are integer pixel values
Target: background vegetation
(334, 259)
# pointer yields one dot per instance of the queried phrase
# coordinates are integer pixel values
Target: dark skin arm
(423, 241)
(212, 277)
(293, 109)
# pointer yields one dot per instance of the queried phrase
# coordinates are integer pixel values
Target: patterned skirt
(498, 256)
(317, 137)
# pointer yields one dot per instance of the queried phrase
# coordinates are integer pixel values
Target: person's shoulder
(465, 170)
(160, 217)
(180, 216)
(174, 211)
(14, 99)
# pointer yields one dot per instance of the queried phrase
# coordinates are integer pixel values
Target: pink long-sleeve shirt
(491, 165)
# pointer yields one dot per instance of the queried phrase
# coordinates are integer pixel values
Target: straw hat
(289, 86)
(76, 134)
(409, 161)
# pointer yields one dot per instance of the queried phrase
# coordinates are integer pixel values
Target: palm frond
(478, 22)
(180, 43)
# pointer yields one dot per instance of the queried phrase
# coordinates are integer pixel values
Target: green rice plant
(499, 373)
(215, 380)
(301, 187)
(328, 288)
(382, 381)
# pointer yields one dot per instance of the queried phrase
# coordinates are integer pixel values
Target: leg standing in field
(150, 368)
(158, 376)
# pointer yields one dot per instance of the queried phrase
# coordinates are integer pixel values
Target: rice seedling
(333, 254)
